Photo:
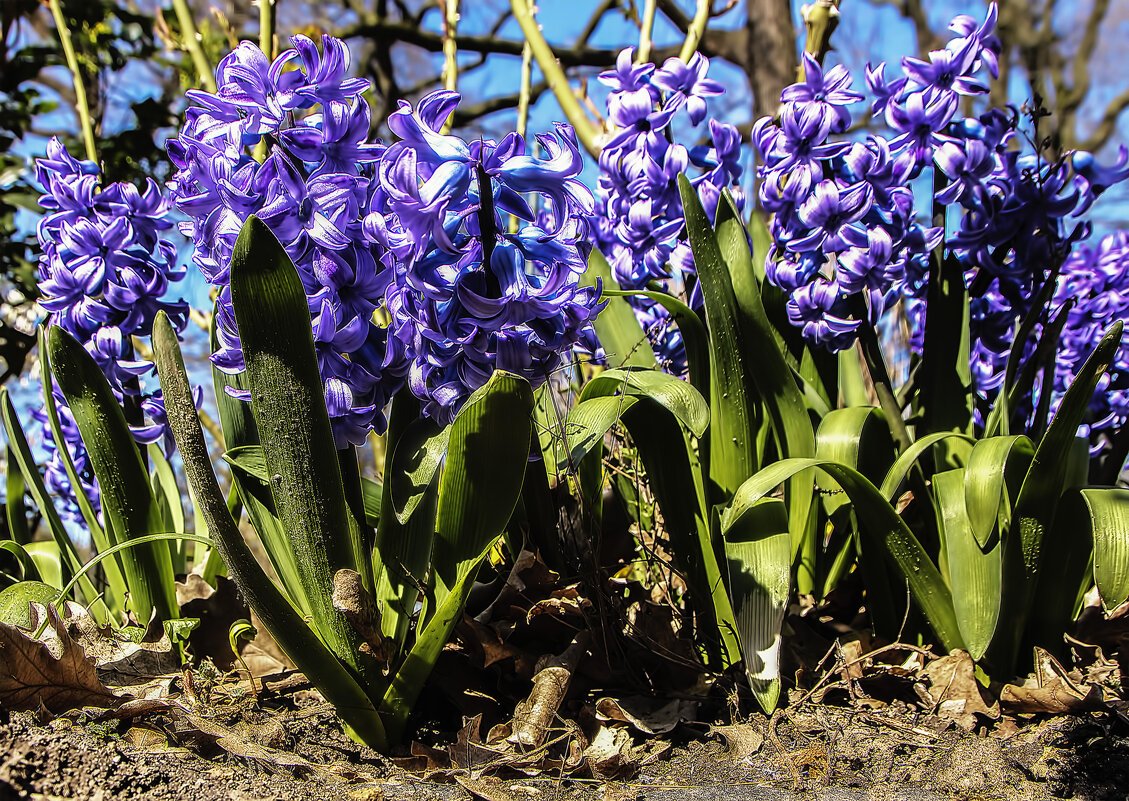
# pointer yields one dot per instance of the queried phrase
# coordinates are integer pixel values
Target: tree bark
(770, 56)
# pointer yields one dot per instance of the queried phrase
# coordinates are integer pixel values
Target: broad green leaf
(945, 396)
(857, 437)
(693, 331)
(588, 422)
(286, 626)
(975, 570)
(48, 563)
(668, 459)
(128, 505)
(288, 403)
(170, 509)
(1036, 505)
(402, 558)
(414, 464)
(625, 343)
(882, 531)
(1109, 526)
(683, 401)
(993, 464)
(115, 596)
(16, 600)
(758, 550)
(478, 490)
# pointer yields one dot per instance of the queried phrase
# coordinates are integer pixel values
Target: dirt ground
(821, 753)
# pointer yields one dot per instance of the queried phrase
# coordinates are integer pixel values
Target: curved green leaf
(414, 464)
(589, 420)
(289, 629)
(757, 547)
(975, 571)
(478, 489)
(1109, 525)
(993, 462)
(882, 531)
(683, 401)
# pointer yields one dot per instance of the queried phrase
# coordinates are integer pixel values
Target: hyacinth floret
(104, 272)
(639, 223)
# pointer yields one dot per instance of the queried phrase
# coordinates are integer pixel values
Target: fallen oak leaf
(56, 677)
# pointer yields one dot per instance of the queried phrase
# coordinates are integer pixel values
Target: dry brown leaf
(955, 692)
(489, 788)
(1052, 690)
(648, 715)
(611, 753)
(51, 673)
(741, 740)
(534, 716)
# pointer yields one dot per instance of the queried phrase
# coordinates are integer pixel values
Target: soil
(821, 753)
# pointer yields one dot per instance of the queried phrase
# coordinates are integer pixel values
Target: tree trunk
(770, 59)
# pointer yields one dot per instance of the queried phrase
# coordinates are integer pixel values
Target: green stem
(82, 105)
(646, 28)
(820, 19)
(266, 28)
(696, 30)
(586, 131)
(192, 43)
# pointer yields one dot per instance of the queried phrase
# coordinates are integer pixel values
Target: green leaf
(128, 505)
(288, 403)
(116, 596)
(28, 570)
(757, 544)
(478, 490)
(625, 343)
(415, 464)
(588, 422)
(402, 559)
(289, 629)
(250, 461)
(690, 326)
(1109, 525)
(668, 459)
(857, 437)
(1035, 508)
(975, 569)
(882, 531)
(166, 493)
(683, 401)
(993, 464)
(16, 601)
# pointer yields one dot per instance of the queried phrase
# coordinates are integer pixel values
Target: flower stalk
(82, 105)
(192, 42)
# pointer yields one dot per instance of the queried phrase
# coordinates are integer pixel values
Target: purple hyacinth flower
(689, 79)
(830, 92)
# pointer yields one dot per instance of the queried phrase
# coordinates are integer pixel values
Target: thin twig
(696, 30)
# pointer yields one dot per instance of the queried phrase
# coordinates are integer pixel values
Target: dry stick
(535, 715)
(82, 105)
(192, 42)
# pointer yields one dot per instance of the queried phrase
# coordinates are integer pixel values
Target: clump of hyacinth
(402, 229)
(470, 295)
(104, 272)
(1095, 281)
(846, 232)
(309, 124)
(639, 220)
